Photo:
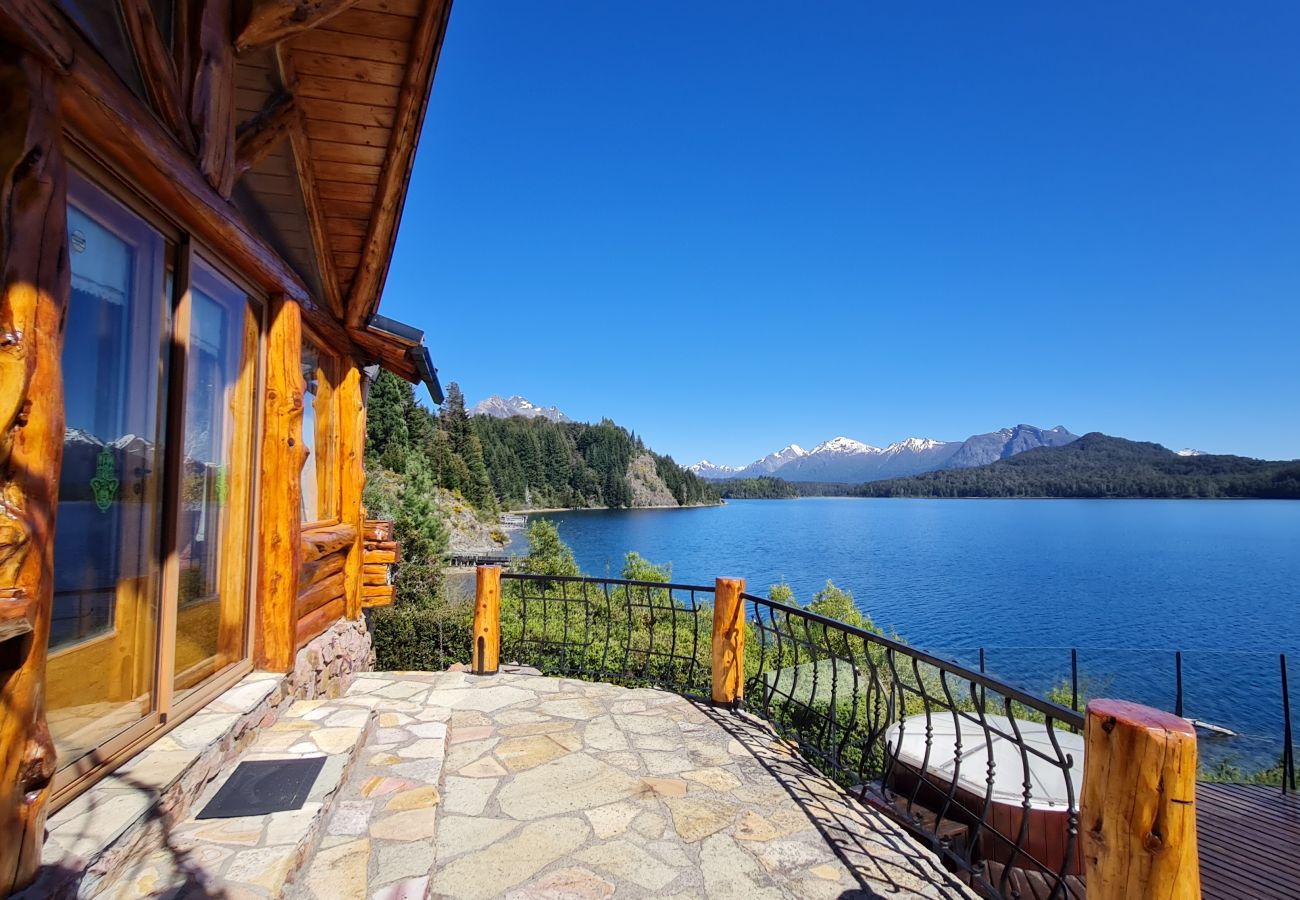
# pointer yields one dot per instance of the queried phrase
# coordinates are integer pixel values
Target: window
(319, 434)
(212, 523)
(107, 572)
(156, 493)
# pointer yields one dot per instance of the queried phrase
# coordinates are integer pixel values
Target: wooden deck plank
(1248, 835)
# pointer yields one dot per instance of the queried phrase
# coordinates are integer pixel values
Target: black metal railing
(630, 632)
(986, 774)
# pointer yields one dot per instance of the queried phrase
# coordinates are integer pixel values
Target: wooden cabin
(198, 204)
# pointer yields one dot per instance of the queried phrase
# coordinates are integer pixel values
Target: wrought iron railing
(986, 774)
(630, 632)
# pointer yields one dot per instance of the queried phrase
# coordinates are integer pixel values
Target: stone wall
(325, 666)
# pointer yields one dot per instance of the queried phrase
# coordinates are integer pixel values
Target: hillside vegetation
(1097, 465)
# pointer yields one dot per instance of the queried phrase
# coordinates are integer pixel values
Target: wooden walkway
(1249, 836)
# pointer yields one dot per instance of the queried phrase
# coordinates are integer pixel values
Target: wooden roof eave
(413, 101)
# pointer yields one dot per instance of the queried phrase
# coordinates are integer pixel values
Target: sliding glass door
(151, 547)
(107, 585)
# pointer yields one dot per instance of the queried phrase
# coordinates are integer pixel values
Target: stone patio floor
(555, 788)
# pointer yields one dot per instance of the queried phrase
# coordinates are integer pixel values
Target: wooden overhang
(281, 131)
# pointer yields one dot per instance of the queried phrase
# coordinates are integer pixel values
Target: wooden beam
(272, 21)
(34, 286)
(352, 475)
(157, 69)
(263, 133)
(302, 163)
(1138, 806)
(212, 94)
(283, 456)
(395, 174)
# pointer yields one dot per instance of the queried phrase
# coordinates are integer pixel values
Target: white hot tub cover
(1048, 789)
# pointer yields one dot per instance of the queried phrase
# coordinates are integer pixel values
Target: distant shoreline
(553, 509)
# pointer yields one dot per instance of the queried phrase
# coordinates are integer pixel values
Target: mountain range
(847, 461)
(499, 408)
(1098, 465)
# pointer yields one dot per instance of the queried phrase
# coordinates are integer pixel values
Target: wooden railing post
(728, 641)
(487, 620)
(1138, 804)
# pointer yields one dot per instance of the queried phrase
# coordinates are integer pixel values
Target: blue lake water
(1125, 582)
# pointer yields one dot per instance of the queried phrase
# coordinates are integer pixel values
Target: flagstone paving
(533, 788)
(555, 788)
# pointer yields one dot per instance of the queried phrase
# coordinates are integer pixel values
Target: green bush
(422, 637)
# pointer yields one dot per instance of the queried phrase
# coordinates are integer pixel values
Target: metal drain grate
(264, 786)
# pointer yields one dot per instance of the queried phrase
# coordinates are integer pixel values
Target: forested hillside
(517, 462)
(1097, 465)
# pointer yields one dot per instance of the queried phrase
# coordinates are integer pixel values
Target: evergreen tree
(387, 435)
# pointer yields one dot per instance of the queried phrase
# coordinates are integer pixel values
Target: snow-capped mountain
(1188, 451)
(706, 469)
(498, 408)
(758, 468)
(843, 459)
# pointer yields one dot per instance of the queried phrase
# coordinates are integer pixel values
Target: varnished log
(486, 651)
(265, 131)
(34, 289)
(1138, 805)
(377, 595)
(312, 624)
(283, 456)
(417, 81)
(378, 530)
(728, 641)
(271, 21)
(313, 572)
(326, 540)
(352, 476)
(157, 69)
(386, 557)
(212, 94)
(320, 593)
(375, 578)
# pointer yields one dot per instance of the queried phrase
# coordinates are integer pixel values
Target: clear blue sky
(733, 226)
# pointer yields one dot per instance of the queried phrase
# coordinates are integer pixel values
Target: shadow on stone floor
(871, 846)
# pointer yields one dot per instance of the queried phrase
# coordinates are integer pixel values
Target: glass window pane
(318, 434)
(103, 634)
(212, 532)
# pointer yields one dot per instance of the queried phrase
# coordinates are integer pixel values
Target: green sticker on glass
(222, 485)
(105, 482)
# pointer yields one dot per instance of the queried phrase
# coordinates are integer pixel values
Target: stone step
(256, 856)
(127, 815)
(378, 842)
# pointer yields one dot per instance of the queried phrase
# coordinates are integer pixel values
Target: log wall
(33, 295)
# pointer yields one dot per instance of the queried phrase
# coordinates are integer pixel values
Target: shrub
(422, 637)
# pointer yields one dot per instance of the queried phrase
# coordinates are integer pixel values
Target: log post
(1138, 803)
(352, 475)
(487, 620)
(728, 641)
(283, 456)
(34, 285)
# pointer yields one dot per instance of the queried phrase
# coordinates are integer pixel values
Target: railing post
(1138, 803)
(728, 641)
(487, 620)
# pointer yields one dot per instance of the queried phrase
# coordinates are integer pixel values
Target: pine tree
(387, 436)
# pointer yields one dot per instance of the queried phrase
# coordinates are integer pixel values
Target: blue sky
(733, 226)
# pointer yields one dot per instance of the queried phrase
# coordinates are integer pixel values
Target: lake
(1125, 582)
